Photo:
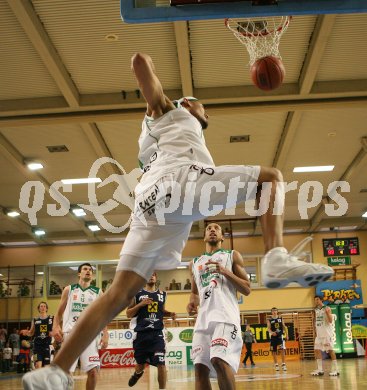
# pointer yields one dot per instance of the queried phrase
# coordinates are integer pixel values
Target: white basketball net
(260, 36)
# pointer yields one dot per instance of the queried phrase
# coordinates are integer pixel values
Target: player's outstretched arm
(150, 86)
(56, 325)
(134, 307)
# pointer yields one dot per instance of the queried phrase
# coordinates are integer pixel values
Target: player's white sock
(334, 365)
(319, 364)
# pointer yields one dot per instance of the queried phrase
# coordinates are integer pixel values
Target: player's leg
(201, 358)
(318, 355)
(162, 376)
(90, 363)
(284, 367)
(92, 378)
(274, 352)
(141, 356)
(38, 358)
(225, 352)
(278, 267)
(272, 224)
(202, 381)
(225, 374)
(334, 364)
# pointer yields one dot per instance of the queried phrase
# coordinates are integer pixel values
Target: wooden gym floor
(263, 377)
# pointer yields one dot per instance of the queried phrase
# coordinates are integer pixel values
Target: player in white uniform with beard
(180, 184)
(217, 275)
(324, 337)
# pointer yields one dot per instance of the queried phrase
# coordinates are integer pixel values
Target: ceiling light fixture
(81, 181)
(320, 168)
(78, 211)
(34, 165)
(12, 213)
(93, 227)
(39, 232)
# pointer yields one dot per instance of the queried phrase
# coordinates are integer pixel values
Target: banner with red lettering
(117, 358)
(261, 351)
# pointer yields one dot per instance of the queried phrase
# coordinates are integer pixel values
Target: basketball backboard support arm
(240, 9)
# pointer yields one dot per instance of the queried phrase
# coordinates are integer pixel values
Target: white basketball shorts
(220, 340)
(164, 212)
(89, 358)
(324, 344)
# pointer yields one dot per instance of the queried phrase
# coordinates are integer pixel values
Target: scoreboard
(341, 246)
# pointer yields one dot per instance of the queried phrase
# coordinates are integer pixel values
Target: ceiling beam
(100, 146)
(322, 90)
(214, 110)
(286, 139)
(346, 176)
(28, 19)
(320, 37)
(184, 59)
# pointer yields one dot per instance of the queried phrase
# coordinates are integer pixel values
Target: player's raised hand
(215, 267)
(146, 301)
(57, 333)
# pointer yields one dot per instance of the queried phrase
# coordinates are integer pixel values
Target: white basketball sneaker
(47, 378)
(317, 373)
(279, 268)
(334, 373)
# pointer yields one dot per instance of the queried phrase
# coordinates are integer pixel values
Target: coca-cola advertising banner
(117, 358)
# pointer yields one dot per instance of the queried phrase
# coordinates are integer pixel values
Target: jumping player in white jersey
(75, 299)
(217, 275)
(324, 338)
(179, 185)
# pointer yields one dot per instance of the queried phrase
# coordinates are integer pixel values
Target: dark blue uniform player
(41, 328)
(278, 334)
(147, 311)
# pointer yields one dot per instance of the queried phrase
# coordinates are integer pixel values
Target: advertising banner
(359, 329)
(261, 351)
(176, 356)
(261, 332)
(179, 337)
(117, 358)
(342, 291)
(336, 329)
(345, 319)
(120, 338)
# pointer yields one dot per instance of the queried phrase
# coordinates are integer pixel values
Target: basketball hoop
(260, 36)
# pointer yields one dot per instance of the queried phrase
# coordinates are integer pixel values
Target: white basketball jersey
(218, 299)
(175, 139)
(323, 327)
(78, 300)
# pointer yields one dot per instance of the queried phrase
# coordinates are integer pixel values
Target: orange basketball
(268, 73)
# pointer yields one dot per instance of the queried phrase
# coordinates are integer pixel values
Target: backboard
(154, 11)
